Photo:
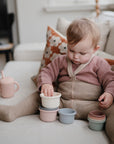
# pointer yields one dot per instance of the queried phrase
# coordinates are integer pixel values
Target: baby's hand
(105, 100)
(47, 89)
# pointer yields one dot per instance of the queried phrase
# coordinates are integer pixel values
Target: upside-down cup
(50, 101)
(66, 115)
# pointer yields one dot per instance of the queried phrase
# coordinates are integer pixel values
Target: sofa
(30, 129)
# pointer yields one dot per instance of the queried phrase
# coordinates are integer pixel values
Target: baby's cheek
(85, 59)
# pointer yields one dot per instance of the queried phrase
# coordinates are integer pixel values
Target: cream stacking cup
(51, 102)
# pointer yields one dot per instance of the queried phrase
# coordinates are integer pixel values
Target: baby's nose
(76, 55)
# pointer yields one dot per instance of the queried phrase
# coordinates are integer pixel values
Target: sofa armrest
(29, 52)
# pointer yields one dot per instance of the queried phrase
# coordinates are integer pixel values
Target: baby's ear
(96, 48)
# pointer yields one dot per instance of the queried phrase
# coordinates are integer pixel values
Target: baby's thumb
(101, 98)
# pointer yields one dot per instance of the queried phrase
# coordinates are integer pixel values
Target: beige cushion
(104, 55)
(62, 25)
(21, 71)
(110, 43)
(108, 57)
(29, 52)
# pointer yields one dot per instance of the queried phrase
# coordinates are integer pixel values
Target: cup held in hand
(51, 101)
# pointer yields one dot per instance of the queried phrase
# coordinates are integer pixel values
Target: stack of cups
(50, 106)
(96, 120)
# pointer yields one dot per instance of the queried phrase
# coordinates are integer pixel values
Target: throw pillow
(56, 44)
(104, 27)
(110, 61)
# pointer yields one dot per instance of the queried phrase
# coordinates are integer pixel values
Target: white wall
(33, 20)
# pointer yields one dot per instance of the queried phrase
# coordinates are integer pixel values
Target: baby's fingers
(44, 91)
(104, 106)
(47, 91)
(101, 98)
(50, 92)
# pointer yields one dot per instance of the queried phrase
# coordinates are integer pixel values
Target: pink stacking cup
(48, 115)
(96, 120)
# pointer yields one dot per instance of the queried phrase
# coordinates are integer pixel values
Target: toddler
(85, 80)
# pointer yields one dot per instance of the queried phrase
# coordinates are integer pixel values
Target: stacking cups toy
(51, 101)
(96, 120)
(48, 115)
(66, 115)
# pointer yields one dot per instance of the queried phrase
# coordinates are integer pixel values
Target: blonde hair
(80, 29)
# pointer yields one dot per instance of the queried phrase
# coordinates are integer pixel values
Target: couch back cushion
(110, 43)
(62, 25)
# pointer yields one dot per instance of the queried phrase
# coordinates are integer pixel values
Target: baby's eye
(82, 53)
(71, 51)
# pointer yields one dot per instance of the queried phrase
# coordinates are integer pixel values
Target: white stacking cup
(51, 101)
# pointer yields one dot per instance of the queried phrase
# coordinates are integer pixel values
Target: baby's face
(81, 52)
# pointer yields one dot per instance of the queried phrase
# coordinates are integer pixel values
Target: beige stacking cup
(51, 101)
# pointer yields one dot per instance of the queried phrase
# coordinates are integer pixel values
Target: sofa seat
(30, 129)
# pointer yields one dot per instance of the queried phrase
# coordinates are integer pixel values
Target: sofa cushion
(109, 58)
(62, 25)
(29, 52)
(104, 55)
(110, 43)
(107, 16)
(21, 71)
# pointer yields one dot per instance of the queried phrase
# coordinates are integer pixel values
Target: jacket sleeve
(50, 73)
(106, 76)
